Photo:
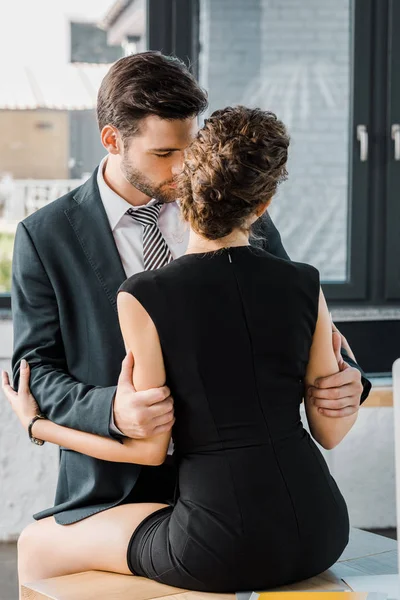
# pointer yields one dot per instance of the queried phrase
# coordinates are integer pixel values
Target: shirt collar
(114, 205)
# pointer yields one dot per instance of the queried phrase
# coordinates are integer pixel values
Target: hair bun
(234, 165)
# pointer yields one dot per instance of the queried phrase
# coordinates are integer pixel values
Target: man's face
(153, 157)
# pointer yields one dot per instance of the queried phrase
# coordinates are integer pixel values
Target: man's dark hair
(145, 84)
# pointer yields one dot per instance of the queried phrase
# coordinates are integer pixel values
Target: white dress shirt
(128, 236)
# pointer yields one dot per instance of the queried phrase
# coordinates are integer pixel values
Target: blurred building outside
(50, 141)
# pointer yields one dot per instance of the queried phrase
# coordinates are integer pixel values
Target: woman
(238, 335)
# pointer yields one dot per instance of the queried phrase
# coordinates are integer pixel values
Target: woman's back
(236, 327)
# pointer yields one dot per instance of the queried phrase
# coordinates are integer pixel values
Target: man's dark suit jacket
(66, 273)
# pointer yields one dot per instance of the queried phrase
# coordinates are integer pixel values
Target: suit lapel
(90, 224)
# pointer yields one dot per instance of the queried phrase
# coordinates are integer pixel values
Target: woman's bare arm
(139, 452)
(141, 338)
(322, 363)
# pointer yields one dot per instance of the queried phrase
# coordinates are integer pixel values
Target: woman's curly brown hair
(232, 167)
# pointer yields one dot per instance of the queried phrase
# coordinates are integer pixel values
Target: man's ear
(111, 139)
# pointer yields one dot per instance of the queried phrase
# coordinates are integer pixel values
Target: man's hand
(141, 414)
(338, 395)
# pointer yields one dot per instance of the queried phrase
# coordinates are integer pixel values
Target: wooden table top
(366, 554)
(379, 396)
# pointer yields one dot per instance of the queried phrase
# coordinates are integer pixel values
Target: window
(329, 72)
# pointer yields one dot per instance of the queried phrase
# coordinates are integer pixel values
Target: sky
(33, 31)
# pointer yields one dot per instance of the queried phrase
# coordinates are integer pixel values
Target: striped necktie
(156, 253)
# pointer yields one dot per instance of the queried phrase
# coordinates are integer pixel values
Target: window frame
(392, 248)
(354, 289)
(5, 302)
(173, 28)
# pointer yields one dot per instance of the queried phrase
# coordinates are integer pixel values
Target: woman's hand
(23, 403)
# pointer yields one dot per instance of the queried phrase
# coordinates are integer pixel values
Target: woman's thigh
(100, 542)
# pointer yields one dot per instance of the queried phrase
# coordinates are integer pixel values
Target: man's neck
(115, 181)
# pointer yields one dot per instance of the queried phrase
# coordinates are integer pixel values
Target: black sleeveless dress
(256, 506)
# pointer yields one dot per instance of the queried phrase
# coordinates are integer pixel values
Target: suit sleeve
(265, 235)
(37, 338)
(266, 232)
(367, 385)
(274, 239)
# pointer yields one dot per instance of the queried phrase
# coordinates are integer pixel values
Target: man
(71, 257)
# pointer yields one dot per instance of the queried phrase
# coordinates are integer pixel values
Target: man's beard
(136, 178)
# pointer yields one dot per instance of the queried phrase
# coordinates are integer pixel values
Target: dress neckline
(220, 251)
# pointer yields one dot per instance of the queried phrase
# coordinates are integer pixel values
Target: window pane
(292, 58)
(50, 70)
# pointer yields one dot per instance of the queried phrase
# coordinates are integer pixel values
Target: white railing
(21, 197)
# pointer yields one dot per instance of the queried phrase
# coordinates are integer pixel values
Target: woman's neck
(198, 243)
